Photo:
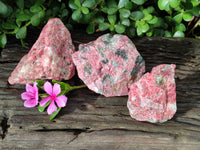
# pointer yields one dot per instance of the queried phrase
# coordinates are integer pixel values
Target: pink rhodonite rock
(153, 97)
(109, 64)
(49, 58)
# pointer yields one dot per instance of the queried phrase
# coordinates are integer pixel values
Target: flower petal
(48, 88)
(29, 88)
(56, 89)
(35, 87)
(61, 101)
(27, 95)
(52, 107)
(44, 101)
(30, 103)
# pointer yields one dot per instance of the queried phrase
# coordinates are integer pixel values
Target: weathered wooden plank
(91, 121)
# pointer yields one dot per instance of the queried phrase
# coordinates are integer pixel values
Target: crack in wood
(4, 126)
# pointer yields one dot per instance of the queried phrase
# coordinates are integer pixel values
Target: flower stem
(77, 87)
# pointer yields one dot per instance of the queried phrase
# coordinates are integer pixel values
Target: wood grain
(92, 121)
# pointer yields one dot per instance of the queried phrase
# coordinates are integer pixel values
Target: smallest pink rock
(153, 97)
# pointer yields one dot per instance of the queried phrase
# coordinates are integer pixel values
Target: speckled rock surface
(109, 64)
(49, 58)
(153, 97)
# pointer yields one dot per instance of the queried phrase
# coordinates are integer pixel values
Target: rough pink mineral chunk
(153, 97)
(109, 64)
(49, 58)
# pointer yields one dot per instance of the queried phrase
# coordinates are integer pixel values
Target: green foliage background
(169, 18)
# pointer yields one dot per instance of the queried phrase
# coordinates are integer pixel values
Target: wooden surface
(92, 121)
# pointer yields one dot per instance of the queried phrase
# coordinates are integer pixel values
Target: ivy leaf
(125, 22)
(23, 17)
(20, 4)
(99, 19)
(137, 15)
(21, 33)
(35, 20)
(168, 34)
(65, 13)
(154, 20)
(174, 3)
(179, 34)
(112, 11)
(8, 25)
(122, 3)
(35, 9)
(55, 113)
(3, 9)
(76, 15)
(163, 5)
(104, 26)
(187, 16)
(91, 28)
(130, 32)
(41, 109)
(85, 10)
(112, 19)
(145, 27)
(178, 18)
(139, 2)
(72, 5)
(180, 27)
(119, 28)
(3, 40)
(124, 13)
(77, 2)
(89, 3)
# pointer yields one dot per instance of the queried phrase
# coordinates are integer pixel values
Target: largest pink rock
(153, 97)
(49, 58)
(109, 64)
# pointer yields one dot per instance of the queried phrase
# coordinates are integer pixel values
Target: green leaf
(125, 22)
(21, 33)
(99, 19)
(112, 4)
(65, 13)
(40, 83)
(3, 40)
(178, 18)
(112, 28)
(129, 5)
(3, 9)
(55, 113)
(122, 3)
(150, 9)
(35, 20)
(174, 3)
(18, 22)
(8, 25)
(154, 20)
(77, 2)
(168, 34)
(89, 3)
(139, 31)
(91, 28)
(187, 16)
(139, 2)
(65, 87)
(41, 109)
(23, 17)
(163, 5)
(124, 13)
(119, 28)
(130, 32)
(145, 27)
(55, 10)
(104, 26)
(72, 5)
(148, 17)
(180, 27)
(85, 10)
(112, 11)
(137, 15)
(150, 33)
(20, 4)
(35, 9)
(179, 34)
(76, 15)
(112, 19)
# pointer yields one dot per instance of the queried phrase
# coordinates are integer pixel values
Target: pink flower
(53, 92)
(30, 96)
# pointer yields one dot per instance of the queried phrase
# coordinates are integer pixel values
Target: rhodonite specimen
(109, 64)
(49, 58)
(153, 97)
